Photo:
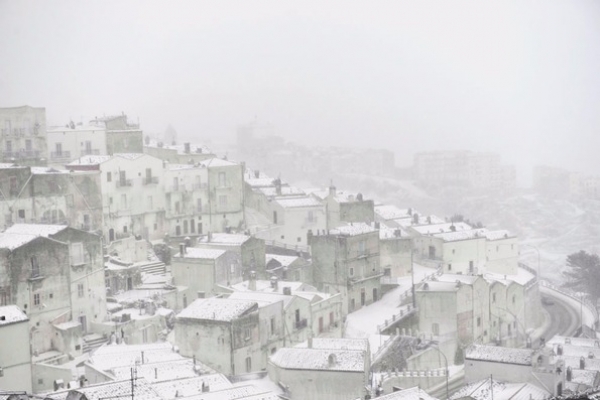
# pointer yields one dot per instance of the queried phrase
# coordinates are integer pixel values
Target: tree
(584, 273)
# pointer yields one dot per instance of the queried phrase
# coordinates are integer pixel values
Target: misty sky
(520, 78)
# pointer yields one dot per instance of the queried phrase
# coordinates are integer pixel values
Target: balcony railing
(303, 323)
(21, 155)
(60, 155)
(150, 180)
(124, 182)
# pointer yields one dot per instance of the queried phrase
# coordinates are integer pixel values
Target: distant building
(122, 136)
(186, 153)
(343, 207)
(23, 138)
(72, 141)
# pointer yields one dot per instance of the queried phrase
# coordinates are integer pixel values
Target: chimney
(257, 174)
(377, 225)
(331, 189)
(187, 241)
(274, 282)
(397, 232)
(187, 147)
(359, 197)
(559, 350)
(287, 290)
(252, 281)
(277, 186)
(181, 249)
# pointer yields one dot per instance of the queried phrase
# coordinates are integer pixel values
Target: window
(177, 206)
(148, 175)
(362, 247)
(77, 254)
(22, 214)
(297, 315)
(222, 179)
(9, 146)
(123, 201)
(35, 267)
(449, 267)
(124, 228)
(199, 205)
(36, 299)
(478, 321)
(185, 227)
(192, 226)
(351, 271)
(493, 297)
(514, 299)
(28, 145)
(80, 290)
(175, 184)
(272, 325)
(248, 364)
(471, 266)
(453, 251)
(13, 185)
(273, 350)
(4, 296)
(247, 333)
(223, 200)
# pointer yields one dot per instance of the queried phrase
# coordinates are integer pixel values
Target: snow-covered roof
(522, 277)
(261, 298)
(285, 261)
(47, 171)
(11, 315)
(112, 390)
(217, 309)
(192, 386)
(353, 229)
(90, 160)
(235, 393)
(461, 235)
(433, 229)
(259, 182)
(574, 341)
(108, 357)
(498, 234)
(233, 239)
(390, 211)
(386, 233)
(12, 241)
(217, 162)
(436, 286)
(285, 191)
(298, 202)
(131, 156)
(195, 252)
(77, 128)
(266, 286)
(466, 279)
(320, 359)
(584, 376)
(35, 229)
(337, 344)
(505, 355)
(574, 362)
(570, 350)
(164, 370)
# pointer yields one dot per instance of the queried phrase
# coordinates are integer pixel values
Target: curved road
(564, 320)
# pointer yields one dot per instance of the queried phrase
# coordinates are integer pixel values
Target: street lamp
(446, 362)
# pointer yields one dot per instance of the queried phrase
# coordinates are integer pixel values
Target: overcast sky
(520, 78)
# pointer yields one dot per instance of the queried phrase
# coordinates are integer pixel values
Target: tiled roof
(217, 309)
(320, 359)
(504, 355)
(283, 260)
(12, 241)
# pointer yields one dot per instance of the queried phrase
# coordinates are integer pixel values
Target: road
(564, 319)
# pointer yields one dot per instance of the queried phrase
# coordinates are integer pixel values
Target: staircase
(92, 341)
(154, 268)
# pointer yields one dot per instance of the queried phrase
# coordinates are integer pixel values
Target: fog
(519, 78)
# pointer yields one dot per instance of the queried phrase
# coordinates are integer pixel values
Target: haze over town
(316, 200)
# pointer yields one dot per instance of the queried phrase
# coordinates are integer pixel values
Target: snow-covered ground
(364, 322)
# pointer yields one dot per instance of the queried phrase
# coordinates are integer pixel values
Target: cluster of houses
(219, 273)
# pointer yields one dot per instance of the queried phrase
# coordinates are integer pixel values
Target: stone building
(346, 261)
(122, 136)
(15, 358)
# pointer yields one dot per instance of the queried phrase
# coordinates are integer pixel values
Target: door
(374, 294)
(111, 234)
(83, 321)
(431, 252)
(363, 297)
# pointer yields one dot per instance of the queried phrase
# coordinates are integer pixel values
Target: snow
(486, 390)
(192, 386)
(285, 191)
(163, 371)
(194, 252)
(225, 238)
(265, 286)
(298, 202)
(337, 344)
(285, 261)
(354, 229)
(461, 235)
(11, 315)
(217, 309)
(364, 322)
(129, 156)
(261, 298)
(584, 376)
(389, 211)
(414, 393)
(386, 233)
(259, 182)
(442, 228)
(35, 229)
(499, 354)
(108, 357)
(217, 162)
(319, 359)
(90, 160)
(12, 241)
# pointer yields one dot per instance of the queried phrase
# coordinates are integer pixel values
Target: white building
(70, 142)
(15, 358)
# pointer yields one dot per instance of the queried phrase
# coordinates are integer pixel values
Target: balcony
(151, 180)
(90, 152)
(60, 155)
(124, 183)
(22, 155)
(301, 324)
